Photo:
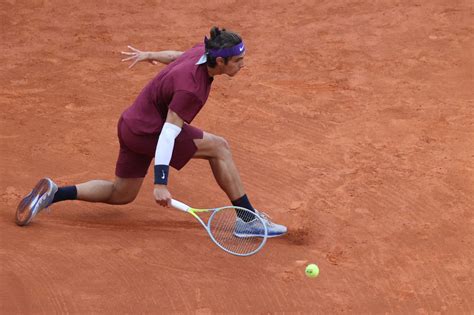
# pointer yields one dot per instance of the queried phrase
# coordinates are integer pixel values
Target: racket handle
(179, 205)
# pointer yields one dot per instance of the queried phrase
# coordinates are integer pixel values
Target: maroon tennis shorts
(137, 151)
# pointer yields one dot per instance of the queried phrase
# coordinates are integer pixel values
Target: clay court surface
(352, 123)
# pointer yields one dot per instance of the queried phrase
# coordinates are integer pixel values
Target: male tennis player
(157, 126)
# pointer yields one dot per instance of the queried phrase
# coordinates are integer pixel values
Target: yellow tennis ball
(312, 270)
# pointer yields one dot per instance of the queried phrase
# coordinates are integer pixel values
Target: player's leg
(131, 168)
(216, 150)
(46, 192)
(119, 192)
(194, 143)
(135, 155)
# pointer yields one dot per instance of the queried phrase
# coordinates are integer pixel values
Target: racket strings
(227, 222)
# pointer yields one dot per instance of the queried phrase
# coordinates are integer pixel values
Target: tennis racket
(236, 230)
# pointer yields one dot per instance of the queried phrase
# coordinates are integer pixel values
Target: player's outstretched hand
(136, 55)
(162, 195)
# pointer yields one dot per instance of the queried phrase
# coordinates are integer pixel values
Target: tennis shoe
(38, 199)
(255, 228)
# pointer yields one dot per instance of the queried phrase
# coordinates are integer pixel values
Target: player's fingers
(161, 202)
(133, 48)
(133, 64)
(128, 58)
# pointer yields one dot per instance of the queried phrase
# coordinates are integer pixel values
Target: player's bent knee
(222, 146)
(117, 199)
(212, 146)
(125, 191)
(125, 200)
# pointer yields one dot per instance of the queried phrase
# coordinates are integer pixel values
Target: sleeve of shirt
(186, 105)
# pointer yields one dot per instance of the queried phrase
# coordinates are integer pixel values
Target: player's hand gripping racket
(236, 230)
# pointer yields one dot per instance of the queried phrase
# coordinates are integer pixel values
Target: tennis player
(158, 126)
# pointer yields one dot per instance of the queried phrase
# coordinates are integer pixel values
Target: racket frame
(193, 211)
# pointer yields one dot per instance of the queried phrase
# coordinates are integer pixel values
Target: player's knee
(122, 197)
(126, 200)
(222, 147)
(120, 200)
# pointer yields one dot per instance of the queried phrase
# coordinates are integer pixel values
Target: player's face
(234, 65)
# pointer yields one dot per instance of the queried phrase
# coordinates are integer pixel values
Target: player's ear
(220, 61)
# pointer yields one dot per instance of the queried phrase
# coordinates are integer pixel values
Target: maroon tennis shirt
(183, 86)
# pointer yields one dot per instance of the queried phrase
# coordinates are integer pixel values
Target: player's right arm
(165, 56)
(163, 153)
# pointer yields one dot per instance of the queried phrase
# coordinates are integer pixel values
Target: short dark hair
(220, 39)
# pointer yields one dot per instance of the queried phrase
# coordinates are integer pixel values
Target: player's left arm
(165, 56)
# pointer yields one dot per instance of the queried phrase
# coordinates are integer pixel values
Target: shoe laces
(265, 217)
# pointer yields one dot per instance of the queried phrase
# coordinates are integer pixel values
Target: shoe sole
(39, 198)
(256, 235)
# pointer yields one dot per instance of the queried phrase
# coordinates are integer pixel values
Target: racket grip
(179, 205)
